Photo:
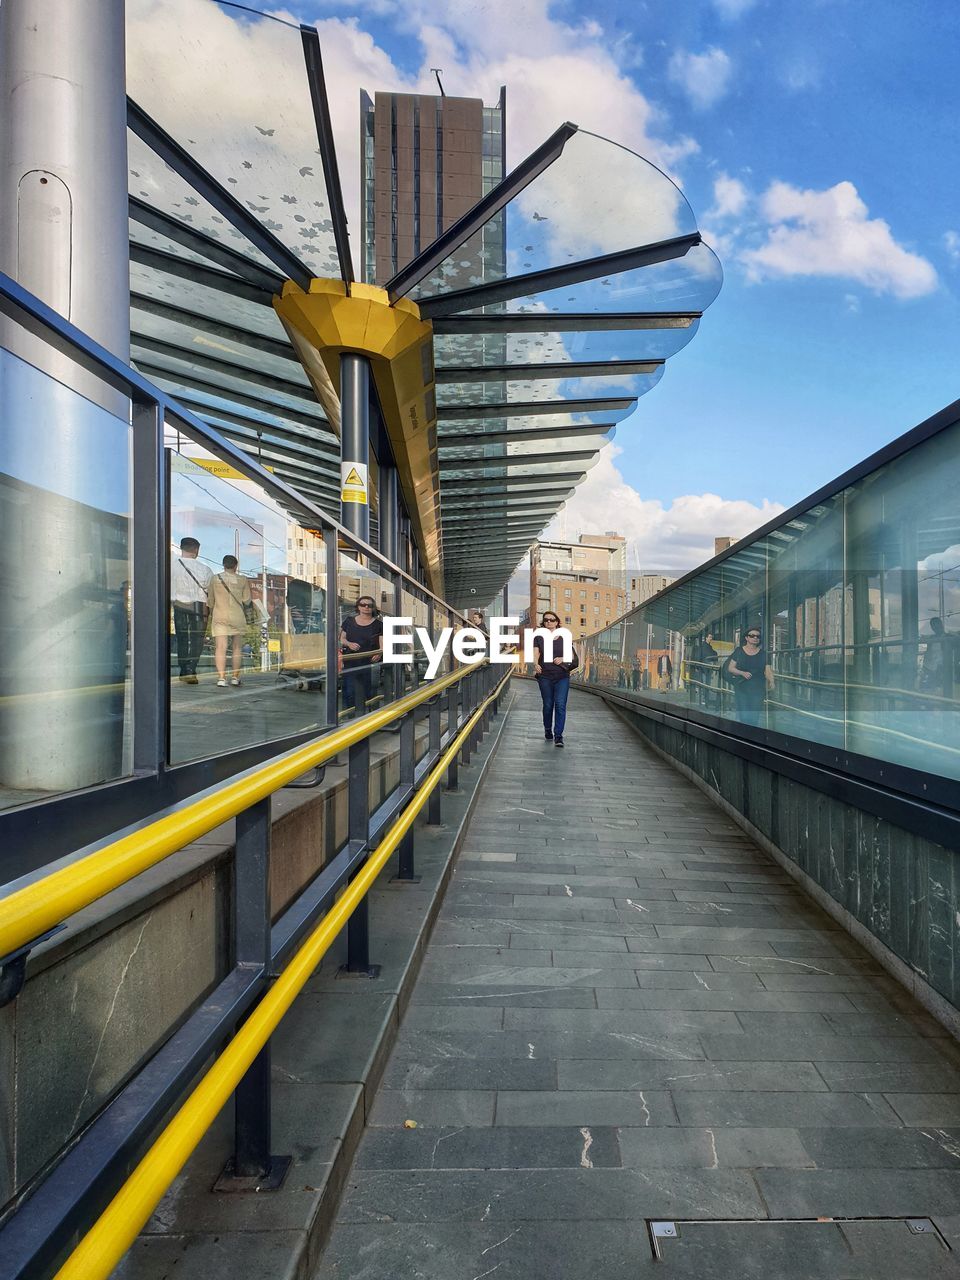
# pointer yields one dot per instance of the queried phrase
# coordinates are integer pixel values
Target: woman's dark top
(755, 686)
(369, 639)
(550, 669)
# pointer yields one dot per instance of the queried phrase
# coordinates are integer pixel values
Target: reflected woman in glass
(361, 644)
(230, 604)
(553, 679)
(751, 675)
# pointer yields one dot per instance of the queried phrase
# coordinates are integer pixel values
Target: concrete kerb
(192, 1211)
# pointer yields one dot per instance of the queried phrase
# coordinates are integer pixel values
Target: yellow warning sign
(353, 482)
(273, 646)
(222, 470)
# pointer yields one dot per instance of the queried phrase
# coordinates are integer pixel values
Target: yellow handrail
(28, 912)
(115, 1231)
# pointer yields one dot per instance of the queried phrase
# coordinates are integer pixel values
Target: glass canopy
(555, 302)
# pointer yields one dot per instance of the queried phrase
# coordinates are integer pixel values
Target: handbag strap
(193, 576)
(226, 586)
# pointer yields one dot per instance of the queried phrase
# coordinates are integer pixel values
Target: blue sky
(817, 144)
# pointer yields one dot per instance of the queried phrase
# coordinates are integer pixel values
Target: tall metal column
(65, 497)
(355, 444)
(389, 513)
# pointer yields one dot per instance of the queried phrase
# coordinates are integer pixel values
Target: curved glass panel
(188, 368)
(557, 422)
(150, 180)
(215, 303)
(567, 214)
(213, 340)
(466, 350)
(257, 135)
(689, 283)
(610, 383)
(518, 447)
(257, 418)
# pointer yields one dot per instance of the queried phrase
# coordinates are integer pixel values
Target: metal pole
(389, 514)
(355, 444)
(358, 826)
(469, 699)
(65, 460)
(455, 720)
(434, 817)
(253, 1167)
(408, 769)
(331, 611)
(150, 631)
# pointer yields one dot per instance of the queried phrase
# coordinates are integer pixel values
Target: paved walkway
(628, 1013)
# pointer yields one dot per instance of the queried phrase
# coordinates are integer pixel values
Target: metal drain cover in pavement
(803, 1249)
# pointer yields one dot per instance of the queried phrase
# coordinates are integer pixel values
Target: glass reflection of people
(229, 593)
(300, 604)
(936, 671)
(664, 672)
(361, 645)
(635, 674)
(704, 673)
(477, 619)
(553, 679)
(189, 583)
(752, 676)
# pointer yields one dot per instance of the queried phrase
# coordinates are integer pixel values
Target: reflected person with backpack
(749, 671)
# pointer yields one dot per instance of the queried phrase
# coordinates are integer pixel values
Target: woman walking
(749, 670)
(361, 643)
(230, 604)
(553, 677)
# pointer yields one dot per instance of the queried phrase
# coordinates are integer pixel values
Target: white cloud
(852, 303)
(801, 73)
(730, 197)
(704, 77)
(830, 233)
(678, 536)
(732, 9)
(951, 242)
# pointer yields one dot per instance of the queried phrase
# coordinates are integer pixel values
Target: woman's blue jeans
(554, 695)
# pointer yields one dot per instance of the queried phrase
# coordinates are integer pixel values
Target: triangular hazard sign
(354, 479)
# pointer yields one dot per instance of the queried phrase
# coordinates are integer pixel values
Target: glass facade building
(424, 161)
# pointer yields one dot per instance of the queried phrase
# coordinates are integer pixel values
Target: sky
(817, 145)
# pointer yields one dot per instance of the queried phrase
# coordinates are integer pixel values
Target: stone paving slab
(627, 1012)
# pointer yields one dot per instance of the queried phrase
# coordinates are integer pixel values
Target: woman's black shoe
(548, 736)
(558, 742)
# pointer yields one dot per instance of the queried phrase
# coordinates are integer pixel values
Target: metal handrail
(107, 1241)
(28, 912)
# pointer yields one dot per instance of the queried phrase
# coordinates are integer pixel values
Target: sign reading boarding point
(353, 482)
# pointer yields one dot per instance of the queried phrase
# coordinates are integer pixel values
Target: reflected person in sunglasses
(751, 675)
(361, 645)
